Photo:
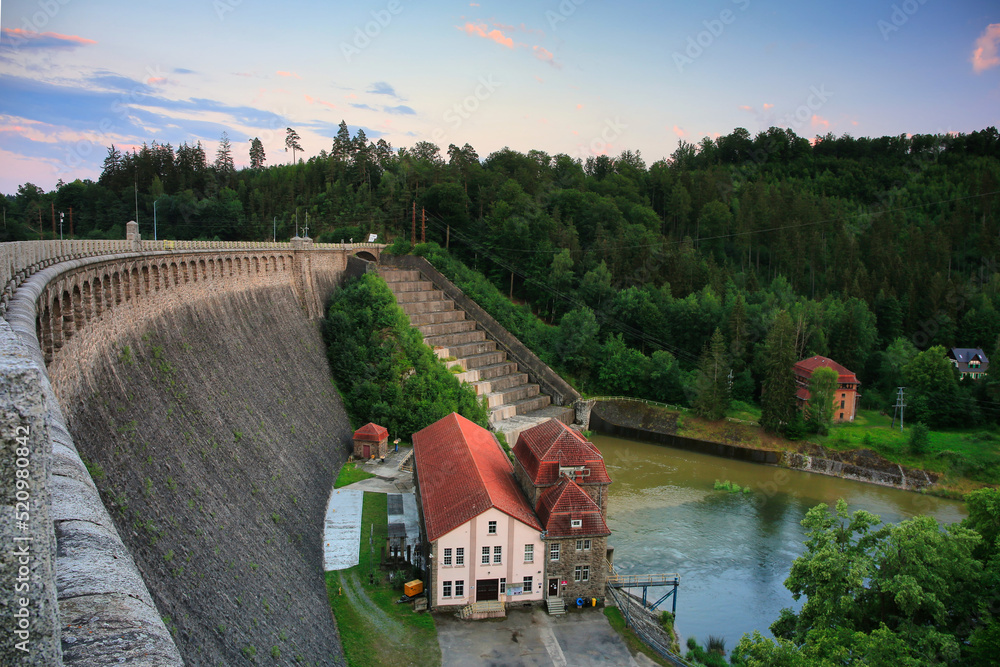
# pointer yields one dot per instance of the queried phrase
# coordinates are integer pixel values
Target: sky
(581, 77)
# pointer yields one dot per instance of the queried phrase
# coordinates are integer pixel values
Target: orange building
(845, 399)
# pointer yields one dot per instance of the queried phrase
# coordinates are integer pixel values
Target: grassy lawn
(632, 641)
(966, 457)
(349, 474)
(374, 630)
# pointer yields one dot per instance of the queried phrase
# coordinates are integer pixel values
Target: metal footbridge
(645, 582)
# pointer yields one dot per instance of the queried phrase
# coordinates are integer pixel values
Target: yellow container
(415, 587)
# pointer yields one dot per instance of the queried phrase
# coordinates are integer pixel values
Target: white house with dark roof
(971, 362)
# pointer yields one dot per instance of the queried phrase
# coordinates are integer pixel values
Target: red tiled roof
(544, 448)
(807, 366)
(565, 501)
(371, 431)
(462, 472)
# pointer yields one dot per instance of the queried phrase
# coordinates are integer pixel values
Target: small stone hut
(371, 440)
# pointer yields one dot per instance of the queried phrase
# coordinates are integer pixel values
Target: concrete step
(410, 286)
(414, 307)
(512, 395)
(420, 319)
(459, 338)
(500, 383)
(465, 350)
(555, 606)
(512, 427)
(521, 407)
(426, 295)
(442, 328)
(484, 359)
(398, 275)
(488, 372)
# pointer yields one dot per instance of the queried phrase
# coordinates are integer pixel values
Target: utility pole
(306, 231)
(61, 216)
(423, 225)
(413, 228)
(71, 221)
(898, 408)
(53, 205)
(274, 231)
(447, 238)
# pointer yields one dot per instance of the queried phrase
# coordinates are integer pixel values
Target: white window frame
(460, 556)
(576, 523)
(484, 558)
(527, 584)
(554, 552)
(491, 527)
(583, 545)
(586, 573)
(497, 555)
(503, 585)
(529, 553)
(460, 588)
(578, 573)
(447, 556)
(446, 589)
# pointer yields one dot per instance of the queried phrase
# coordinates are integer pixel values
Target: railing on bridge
(624, 605)
(21, 259)
(644, 581)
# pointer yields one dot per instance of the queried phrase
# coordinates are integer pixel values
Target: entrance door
(368, 452)
(487, 589)
(553, 588)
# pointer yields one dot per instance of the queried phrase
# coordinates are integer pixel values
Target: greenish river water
(732, 551)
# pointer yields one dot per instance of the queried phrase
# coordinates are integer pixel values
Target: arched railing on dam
(85, 598)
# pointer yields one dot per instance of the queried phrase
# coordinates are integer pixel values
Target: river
(732, 551)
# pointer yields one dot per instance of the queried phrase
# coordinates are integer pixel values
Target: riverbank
(747, 442)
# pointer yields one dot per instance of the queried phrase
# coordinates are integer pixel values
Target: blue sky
(581, 77)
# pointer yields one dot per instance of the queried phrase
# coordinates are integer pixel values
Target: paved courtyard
(532, 638)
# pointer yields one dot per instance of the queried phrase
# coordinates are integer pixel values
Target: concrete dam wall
(186, 509)
(214, 434)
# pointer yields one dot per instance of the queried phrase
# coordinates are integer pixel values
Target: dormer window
(576, 523)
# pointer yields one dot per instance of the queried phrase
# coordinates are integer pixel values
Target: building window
(460, 556)
(447, 556)
(460, 588)
(446, 592)
(841, 415)
(841, 405)
(586, 573)
(529, 553)
(575, 523)
(583, 545)
(485, 559)
(497, 555)
(503, 585)
(554, 551)
(492, 528)
(528, 583)
(578, 573)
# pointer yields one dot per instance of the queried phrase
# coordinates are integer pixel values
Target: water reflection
(733, 551)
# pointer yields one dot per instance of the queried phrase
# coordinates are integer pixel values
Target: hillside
(214, 434)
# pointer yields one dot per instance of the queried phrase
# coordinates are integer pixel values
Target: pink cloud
(545, 55)
(44, 38)
(819, 121)
(679, 131)
(309, 99)
(154, 80)
(575, 132)
(579, 106)
(473, 4)
(289, 75)
(854, 122)
(479, 30)
(327, 104)
(746, 107)
(985, 56)
(351, 96)
(539, 79)
(768, 106)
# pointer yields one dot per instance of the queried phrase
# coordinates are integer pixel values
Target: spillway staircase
(473, 356)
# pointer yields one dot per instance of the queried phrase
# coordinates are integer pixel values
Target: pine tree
(257, 157)
(224, 156)
(777, 399)
(712, 383)
(822, 388)
(342, 144)
(292, 140)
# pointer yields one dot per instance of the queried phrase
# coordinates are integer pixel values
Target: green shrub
(919, 438)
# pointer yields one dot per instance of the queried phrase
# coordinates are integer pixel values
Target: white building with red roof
(482, 537)
(845, 399)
